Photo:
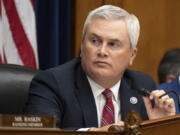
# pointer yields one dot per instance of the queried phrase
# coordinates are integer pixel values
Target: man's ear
(133, 56)
(170, 77)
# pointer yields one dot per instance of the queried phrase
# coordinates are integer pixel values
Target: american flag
(18, 44)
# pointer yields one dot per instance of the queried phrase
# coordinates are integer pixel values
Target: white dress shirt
(101, 100)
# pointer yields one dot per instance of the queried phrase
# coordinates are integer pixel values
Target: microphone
(145, 92)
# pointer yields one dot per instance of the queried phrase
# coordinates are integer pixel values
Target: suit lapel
(127, 94)
(86, 98)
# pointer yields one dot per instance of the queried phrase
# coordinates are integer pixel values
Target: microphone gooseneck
(144, 92)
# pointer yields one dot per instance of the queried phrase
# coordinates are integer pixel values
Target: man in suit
(97, 90)
(169, 74)
(169, 67)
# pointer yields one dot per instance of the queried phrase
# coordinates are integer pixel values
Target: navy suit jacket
(65, 92)
(174, 85)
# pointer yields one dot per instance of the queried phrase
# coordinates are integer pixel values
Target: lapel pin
(133, 100)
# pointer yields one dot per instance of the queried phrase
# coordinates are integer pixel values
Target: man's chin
(102, 75)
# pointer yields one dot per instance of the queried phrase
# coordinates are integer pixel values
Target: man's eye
(114, 45)
(95, 41)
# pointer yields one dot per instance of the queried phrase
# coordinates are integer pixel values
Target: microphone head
(143, 91)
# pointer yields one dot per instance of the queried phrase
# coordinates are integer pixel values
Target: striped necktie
(108, 111)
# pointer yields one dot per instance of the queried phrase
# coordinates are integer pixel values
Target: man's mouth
(101, 63)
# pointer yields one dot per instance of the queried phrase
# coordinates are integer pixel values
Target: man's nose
(103, 50)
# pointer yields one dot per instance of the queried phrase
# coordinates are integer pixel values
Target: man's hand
(105, 128)
(164, 106)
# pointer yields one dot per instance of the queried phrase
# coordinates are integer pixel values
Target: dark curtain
(54, 31)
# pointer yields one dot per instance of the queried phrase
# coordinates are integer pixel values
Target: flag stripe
(26, 14)
(22, 43)
(8, 44)
(0, 8)
(32, 2)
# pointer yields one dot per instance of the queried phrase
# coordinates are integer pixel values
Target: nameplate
(31, 121)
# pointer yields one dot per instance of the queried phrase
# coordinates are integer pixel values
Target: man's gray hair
(113, 12)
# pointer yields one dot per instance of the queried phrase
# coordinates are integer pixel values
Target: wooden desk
(48, 131)
(165, 126)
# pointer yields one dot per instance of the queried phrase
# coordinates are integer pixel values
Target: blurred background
(46, 33)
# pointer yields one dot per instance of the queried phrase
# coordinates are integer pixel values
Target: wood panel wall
(160, 28)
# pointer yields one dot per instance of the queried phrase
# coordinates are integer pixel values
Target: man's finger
(147, 103)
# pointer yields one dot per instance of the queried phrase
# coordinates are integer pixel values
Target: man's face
(105, 49)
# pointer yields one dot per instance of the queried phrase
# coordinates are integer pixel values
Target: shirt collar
(97, 89)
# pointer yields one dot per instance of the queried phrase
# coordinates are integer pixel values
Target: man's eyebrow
(95, 35)
(111, 40)
(115, 40)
